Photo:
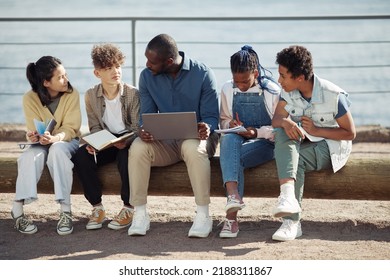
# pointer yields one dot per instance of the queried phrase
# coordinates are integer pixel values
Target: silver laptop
(175, 125)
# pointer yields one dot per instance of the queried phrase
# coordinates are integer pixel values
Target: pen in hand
(238, 122)
(94, 155)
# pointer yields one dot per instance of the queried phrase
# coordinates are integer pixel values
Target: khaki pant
(142, 156)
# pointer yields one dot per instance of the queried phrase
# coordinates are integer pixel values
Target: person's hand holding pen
(235, 122)
(92, 151)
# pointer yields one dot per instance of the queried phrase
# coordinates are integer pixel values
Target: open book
(41, 127)
(104, 139)
(231, 130)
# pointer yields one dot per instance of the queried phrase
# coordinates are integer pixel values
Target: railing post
(134, 52)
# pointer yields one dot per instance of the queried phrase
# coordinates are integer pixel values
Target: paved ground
(332, 229)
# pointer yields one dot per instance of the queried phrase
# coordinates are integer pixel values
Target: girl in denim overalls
(249, 100)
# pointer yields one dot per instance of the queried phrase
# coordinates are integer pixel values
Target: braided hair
(247, 60)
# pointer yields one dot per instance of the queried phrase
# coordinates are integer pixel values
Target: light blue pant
(238, 153)
(294, 159)
(58, 160)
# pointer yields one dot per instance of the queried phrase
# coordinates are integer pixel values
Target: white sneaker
(140, 224)
(201, 227)
(286, 206)
(233, 204)
(288, 231)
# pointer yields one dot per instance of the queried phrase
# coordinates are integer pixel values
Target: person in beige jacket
(51, 97)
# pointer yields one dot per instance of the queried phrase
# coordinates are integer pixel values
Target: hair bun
(246, 48)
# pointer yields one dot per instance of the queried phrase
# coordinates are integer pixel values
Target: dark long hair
(41, 71)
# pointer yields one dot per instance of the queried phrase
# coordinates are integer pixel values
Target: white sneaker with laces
(289, 230)
(233, 204)
(201, 227)
(286, 206)
(140, 224)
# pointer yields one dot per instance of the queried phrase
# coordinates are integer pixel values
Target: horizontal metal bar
(350, 92)
(271, 18)
(226, 67)
(203, 43)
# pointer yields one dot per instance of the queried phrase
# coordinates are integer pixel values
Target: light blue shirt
(193, 89)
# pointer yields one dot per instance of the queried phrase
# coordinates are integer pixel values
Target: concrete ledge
(360, 179)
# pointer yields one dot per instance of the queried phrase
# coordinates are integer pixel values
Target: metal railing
(134, 20)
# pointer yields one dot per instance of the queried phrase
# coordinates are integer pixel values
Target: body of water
(354, 54)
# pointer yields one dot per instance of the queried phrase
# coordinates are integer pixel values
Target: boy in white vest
(309, 106)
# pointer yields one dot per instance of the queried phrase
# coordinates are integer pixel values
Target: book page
(39, 126)
(119, 139)
(99, 139)
(42, 127)
(231, 130)
(311, 137)
(104, 139)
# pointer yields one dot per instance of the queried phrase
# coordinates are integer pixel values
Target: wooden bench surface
(360, 179)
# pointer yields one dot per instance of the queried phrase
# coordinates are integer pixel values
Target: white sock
(17, 208)
(203, 209)
(288, 189)
(140, 209)
(65, 207)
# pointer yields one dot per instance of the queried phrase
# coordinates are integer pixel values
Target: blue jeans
(238, 153)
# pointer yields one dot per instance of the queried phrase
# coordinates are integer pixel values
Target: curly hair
(106, 55)
(297, 60)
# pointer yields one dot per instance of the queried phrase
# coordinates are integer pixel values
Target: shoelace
(65, 220)
(124, 213)
(138, 220)
(282, 199)
(232, 198)
(228, 225)
(95, 212)
(286, 226)
(22, 223)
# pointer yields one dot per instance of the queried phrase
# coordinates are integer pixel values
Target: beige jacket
(67, 114)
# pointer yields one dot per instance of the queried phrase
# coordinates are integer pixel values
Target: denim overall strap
(251, 109)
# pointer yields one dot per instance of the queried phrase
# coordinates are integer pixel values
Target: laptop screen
(173, 125)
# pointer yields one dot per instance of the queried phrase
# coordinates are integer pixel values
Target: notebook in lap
(174, 125)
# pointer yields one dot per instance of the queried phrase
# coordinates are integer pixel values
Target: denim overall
(237, 152)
